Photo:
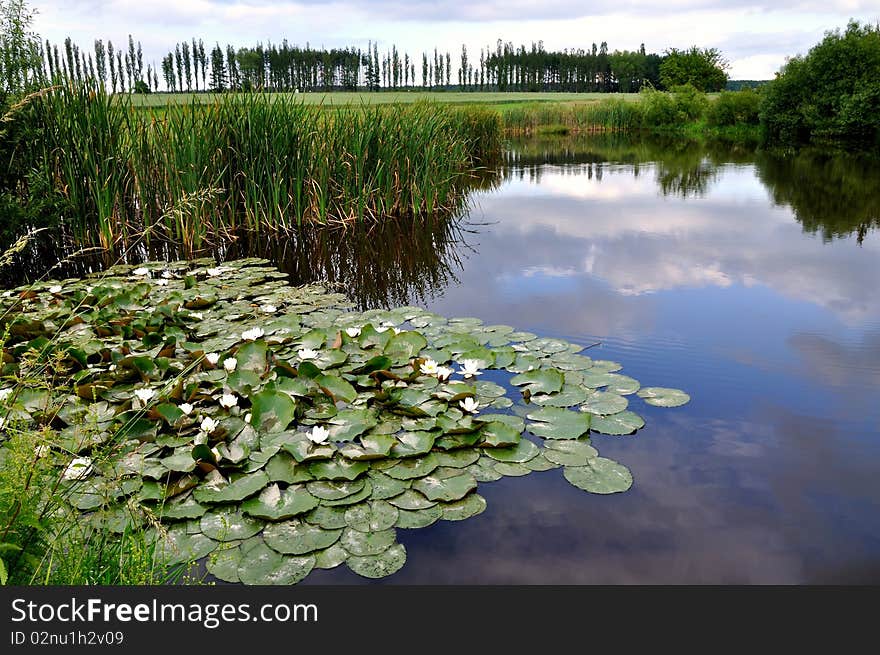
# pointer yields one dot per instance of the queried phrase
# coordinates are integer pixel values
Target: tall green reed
(193, 172)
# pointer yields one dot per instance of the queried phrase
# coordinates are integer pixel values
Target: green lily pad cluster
(273, 430)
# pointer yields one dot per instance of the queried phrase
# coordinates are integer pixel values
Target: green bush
(832, 93)
(735, 108)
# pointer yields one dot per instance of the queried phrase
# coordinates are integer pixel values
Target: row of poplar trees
(191, 67)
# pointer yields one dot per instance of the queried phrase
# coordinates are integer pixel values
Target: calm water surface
(751, 281)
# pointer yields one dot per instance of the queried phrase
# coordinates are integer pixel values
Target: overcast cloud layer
(755, 37)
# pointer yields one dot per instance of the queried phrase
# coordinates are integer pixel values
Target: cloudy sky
(754, 35)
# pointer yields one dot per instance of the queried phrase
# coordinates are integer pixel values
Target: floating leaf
(178, 546)
(381, 565)
(411, 500)
(569, 453)
(540, 381)
(229, 525)
(328, 490)
(434, 487)
(499, 435)
(411, 444)
(664, 397)
(419, 518)
(361, 544)
(297, 537)
(600, 476)
(618, 424)
(330, 558)
(238, 489)
(469, 506)
(263, 566)
(512, 469)
(273, 504)
(283, 467)
(329, 518)
(521, 452)
(556, 423)
(338, 469)
(372, 516)
(384, 486)
(272, 411)
(604, 403)
(415, 467)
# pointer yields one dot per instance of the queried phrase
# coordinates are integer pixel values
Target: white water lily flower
(78, 469)
(7, 294)
(230, 363)
(228, 400)
(307, 353)
(141, 271)
(470, 367)
(197, 315)
(212, 358)
(268, 309)
(353, 332)
(144, 395)
(253, 334)
(469, 405)
(429, 367)
(161, 283)
(319, 434)
(4, 394)
(248, 417)
(208, 425)
(443, 373)
(55, 289)
(186, 408)
(215, 272)
(167, 275)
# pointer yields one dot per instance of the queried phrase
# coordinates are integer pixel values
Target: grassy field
(338, 98)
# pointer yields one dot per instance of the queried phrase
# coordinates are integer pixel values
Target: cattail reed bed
(193, 174)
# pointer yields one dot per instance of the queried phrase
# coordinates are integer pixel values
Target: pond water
(752, 281)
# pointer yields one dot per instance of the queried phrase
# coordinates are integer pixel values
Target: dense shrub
(735, 107)
(832, 93)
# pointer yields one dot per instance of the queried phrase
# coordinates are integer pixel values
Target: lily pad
(379, 566)
(372, 516)
(330, 490)
(229, 525)
(419, 518)
(238, 489)
(511, 469)
(329, 518)
(521, 452)
(361, 544)
(600, 476)
(331, 557)
(415, 467)
(385, 487)
(618, 424)
(272, 411)
(411, 500)
(178, 546)
(540, 381)
(273, 504)
(556, 423)
(604, 403)
(263, 566)
(664, 397)
(297, 537)
(447, 489)
(500, 435)
(569, 453)
(469, 506)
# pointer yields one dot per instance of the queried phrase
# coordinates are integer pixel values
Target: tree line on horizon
(190, 66)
